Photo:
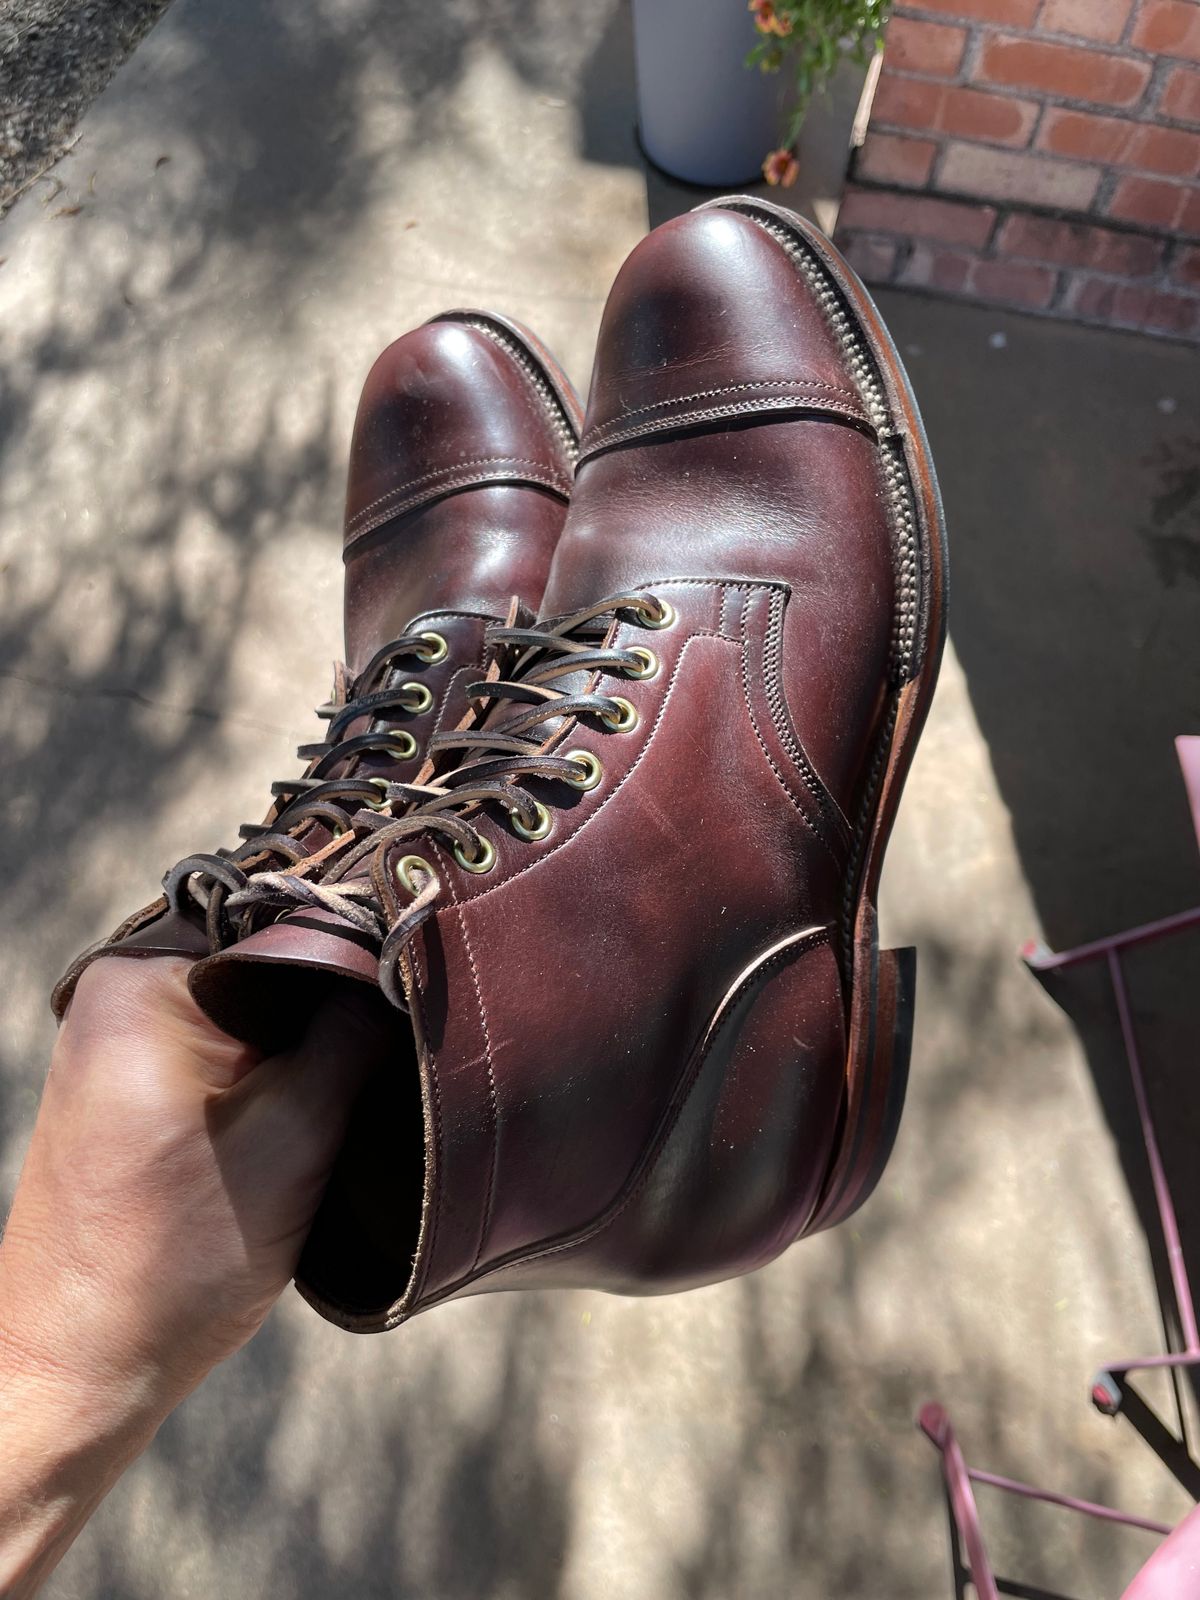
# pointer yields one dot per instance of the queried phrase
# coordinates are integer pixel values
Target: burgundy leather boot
(632, 914)
(460, 471)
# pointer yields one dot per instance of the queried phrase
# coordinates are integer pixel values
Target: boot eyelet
(626, 718)
(593, 770)
(482, 861)
(419, 697)
(383, 802)
(649, 663)
(405, 868)
(541, 826)
(436, 649)
(662, 618)
(403, 747)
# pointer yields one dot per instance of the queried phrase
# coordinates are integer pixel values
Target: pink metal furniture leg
(960, 1480)
(1106, 1391)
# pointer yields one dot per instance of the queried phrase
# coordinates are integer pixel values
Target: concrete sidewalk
(264, 196)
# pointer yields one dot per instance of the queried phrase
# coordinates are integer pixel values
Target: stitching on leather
(440, 472)
(700, 633)
(816, 832)
(493, 1098)
(503, 333)
(437, 1187)
(767, 585)
(777, 705)
(803, 385)
(468, 674)
(590, 447)
(601, 1224)
(540, 476)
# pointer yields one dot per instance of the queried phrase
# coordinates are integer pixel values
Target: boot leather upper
(632, 1033)
(460, 470)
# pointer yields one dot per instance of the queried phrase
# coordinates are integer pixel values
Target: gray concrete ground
(267, 193)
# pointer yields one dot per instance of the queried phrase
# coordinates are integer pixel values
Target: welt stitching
(590, 445)
(555, 409)
(440, 472)
(805, 385)
(817, 833)
(602, 1223)
(493, 1098)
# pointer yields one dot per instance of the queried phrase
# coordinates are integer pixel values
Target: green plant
(809, 38)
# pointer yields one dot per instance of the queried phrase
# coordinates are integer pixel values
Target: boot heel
(877, 1076)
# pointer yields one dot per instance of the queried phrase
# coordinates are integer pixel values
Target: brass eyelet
(405, 868)
(626, 718)
(436, 650)
(421, 698)
(593, 773)
(650, 663)
(403, 747)
(484, 861)
(663, 618)
(383, 802)
(541, 827)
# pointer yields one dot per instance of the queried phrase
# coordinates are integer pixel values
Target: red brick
(1129, 305)
(1013, 175)
(997, 118)
(928, 47)
(965, 113)
(1075, 71)
(1185, 268)
(1181, 95)
(1189, 214)
(1170, 151)
(919, 215)
(955, 272)
(929, 267)
(1074, 244)
(1017, 283)
(891, 158)
(871, 257)
(1102, 20)
(1001, 13)
(1169, 28)
(1082, 134)
(907, 102)
(1154, 203)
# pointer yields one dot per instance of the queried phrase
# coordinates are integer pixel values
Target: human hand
(167, 1192)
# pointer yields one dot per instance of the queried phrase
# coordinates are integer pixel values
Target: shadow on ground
(1076, 614)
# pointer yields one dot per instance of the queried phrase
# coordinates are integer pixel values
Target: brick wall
(1043, 154)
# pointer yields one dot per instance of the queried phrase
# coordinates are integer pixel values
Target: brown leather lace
(493, 752)
(331, 792)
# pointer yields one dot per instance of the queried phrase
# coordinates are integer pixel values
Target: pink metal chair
(960, 1481)
(1106, 1391)
(1173, 1572)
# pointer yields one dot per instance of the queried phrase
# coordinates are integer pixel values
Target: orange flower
(768, 20)
(781, 167)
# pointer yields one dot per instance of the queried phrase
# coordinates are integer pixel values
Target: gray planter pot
(702, 115)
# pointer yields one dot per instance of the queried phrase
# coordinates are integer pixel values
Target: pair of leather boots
(605, 854)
